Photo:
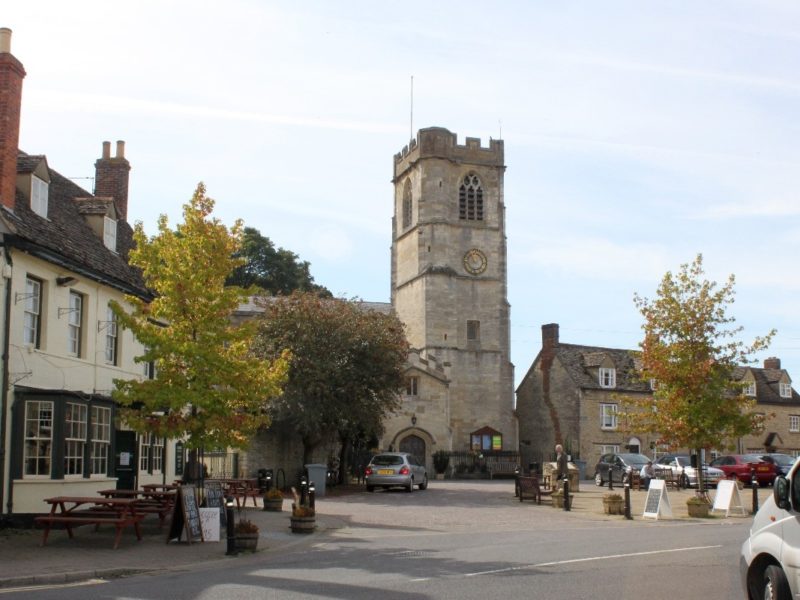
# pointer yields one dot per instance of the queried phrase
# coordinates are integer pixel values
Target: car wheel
(775, 585)
(685, 481)
(370, 488)
(424, 484)
(598, 479)
(410, 487)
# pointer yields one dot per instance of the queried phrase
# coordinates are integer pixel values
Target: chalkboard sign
(215, 498)
(657, 503)
(179, 458)
(186, 516)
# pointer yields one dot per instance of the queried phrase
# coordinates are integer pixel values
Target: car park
(745, 466)
(685, 474)
(768, 563)
(395, 469)
(616, 466)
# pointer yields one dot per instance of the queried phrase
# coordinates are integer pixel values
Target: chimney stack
(772, 363)
(550, 336)
(11, 75)
(111, 177)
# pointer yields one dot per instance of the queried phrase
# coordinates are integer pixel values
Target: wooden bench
(502, 467)
(110, 511)
(529, 486)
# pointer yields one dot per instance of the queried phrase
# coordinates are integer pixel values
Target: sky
(637, 135)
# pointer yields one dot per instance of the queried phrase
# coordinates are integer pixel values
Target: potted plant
(613, 504)
(697, 506)
(441, 460)
(246, 535)
(303, 519)
(273, 500)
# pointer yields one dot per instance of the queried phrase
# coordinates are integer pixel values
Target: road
(439, 545)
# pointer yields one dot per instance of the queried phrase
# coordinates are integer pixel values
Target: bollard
(311, 494)
(566, 493)
(611, 478)
(628, 501)
(230, 527)
(516, 481)
(754, 485)
(303, 491)
(269, 482)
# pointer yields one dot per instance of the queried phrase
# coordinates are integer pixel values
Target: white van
(770, 561)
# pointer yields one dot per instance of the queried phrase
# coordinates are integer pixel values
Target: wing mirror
(780, 492)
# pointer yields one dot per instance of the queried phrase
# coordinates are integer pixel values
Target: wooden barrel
(303, 524)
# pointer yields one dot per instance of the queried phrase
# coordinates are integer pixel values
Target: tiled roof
(577, 360)
(767, 385)
(66, 238)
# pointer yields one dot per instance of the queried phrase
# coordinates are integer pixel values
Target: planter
(614, 506)
(440, 476)
(246, 541)
(558, 500)
(303, 524)
(697, 509)
(273, 504)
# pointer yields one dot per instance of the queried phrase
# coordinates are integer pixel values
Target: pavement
(447, 505)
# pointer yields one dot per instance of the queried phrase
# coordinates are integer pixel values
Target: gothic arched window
(407, 205)
(470, 199)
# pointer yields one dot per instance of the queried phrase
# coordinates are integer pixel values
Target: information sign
(728, 498)
(657, 503)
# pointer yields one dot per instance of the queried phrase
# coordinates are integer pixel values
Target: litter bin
(317, 474)
(264, 480)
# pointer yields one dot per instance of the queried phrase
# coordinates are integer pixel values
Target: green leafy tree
(690, 350)
(346, 370)
(210, 389)
(278, 271)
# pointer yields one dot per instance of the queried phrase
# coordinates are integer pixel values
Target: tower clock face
(475, 261)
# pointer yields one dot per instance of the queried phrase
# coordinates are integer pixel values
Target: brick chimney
(772, 363)
(11, 75)
(111, 177)
(550, 335)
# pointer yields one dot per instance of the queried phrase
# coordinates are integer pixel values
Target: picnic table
(240, 490)
(73, 511)
(155, 502)
(162, 487)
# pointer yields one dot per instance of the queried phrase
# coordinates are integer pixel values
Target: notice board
(215, 498)
(728, 497)
(186, 516)
(657, 503)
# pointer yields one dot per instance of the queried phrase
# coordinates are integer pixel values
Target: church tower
(449, 287)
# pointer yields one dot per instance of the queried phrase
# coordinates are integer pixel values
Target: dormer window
(750, 389)
(110, 233)
(39, 193)
(785, 390)
(608, 378)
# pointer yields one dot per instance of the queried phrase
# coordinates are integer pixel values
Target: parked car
(783, 462)
(742, 466)
(618, 465)
(768, 563)
(685, 473)
(395, 469)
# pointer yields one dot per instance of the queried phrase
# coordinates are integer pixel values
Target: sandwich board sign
(728, 497)
(186, 517)
(209, 521)
(657, 503)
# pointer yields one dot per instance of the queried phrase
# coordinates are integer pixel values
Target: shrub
(302, 511)
(245, 526)
(441, 460)
(274, 494)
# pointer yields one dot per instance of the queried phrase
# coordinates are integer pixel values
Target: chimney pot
(120, 149)
(11, 75)
(5, 40)
(106, 149)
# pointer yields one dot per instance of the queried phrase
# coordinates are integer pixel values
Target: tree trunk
(344, 453)
(701, 484)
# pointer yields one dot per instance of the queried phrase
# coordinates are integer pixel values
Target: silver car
(685, 473)
(395, 469)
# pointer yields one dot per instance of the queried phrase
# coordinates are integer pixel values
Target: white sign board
(657, 504)
(209, 520)
(728, 498)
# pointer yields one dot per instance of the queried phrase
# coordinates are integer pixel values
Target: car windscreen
(634, 458)
(751, 458)
(783, 460)
(387, 460)
(683, 461)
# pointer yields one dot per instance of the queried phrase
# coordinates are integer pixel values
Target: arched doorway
(413, 444)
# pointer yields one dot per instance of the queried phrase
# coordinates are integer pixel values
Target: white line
(591, 558)
(52, 586)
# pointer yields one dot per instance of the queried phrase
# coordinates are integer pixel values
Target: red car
(742, 466)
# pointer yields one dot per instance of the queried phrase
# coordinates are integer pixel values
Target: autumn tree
(690, 351)
(210, 389)
(346, 369)
(275, 270)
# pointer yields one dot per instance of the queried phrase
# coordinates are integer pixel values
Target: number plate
(385, 471)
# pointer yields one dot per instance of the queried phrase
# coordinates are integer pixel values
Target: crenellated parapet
(438, 142)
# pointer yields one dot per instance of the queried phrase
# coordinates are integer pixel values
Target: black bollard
(628, 501)
(303, 491)
(610, 478)
(311, 494)
(754, 485)
(566, 494)
(230, 527)
(516, 481)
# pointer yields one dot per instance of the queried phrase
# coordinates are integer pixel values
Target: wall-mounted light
(413, 419)
(66, 281)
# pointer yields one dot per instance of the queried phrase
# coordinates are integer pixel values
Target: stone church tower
(449, 287)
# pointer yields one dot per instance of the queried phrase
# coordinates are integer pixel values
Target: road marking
(52, 586)
(588, 559)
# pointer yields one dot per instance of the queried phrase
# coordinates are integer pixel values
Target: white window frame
(609, 449)
(412, 385)
(75, 427)
(144, 451)
(110, 233)
(112, 338)
(794, 423)
(38, 448)
(608, 416)
(607, 378)
(101, 440)
(74, 323)
(785, 389)
(157, 449)
(750, 389)
(32, 319)
(39, 196)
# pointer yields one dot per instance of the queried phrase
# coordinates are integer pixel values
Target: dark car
(783, 462)
(744, 466)
(618, 465)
